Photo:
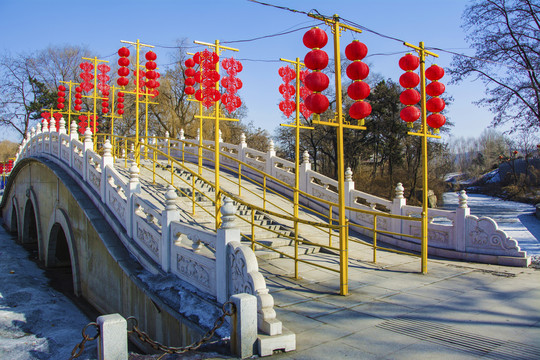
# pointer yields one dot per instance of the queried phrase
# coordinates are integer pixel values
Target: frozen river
(516, 219)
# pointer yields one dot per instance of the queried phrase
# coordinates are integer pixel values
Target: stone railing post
(88, 145)
(242, 148)
(44, 130)
(33, 140)
(52, 128)
(72, 137)
(113, 337)
(270, 159)
(168, 215)
(462, 212)
(37, 146)
(225, 234)
(349, 187)
(106, 162)
(62, 128)
(244, 325)
(61, 131)
(134, 187)
(305, 167)
(181, 135)
(397, 204)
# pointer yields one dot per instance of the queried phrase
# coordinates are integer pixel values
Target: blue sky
(30, 25)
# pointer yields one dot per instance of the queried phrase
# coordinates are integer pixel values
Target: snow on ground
(36, 322)
(518, 220)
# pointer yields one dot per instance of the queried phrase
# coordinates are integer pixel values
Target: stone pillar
(242, 148)
(244, 325)
(220, 136)
(460, 222)
(52, 128)
(88, 145)
(44, 130)
(62, 129)
(305, 168)
(348, 187)
(181, 135)
(225, 234)
(134, 187)
(72, 137)
(107, 162)
(270, 159)
(397, 204)
(113, 344)
(168, 215)
(33, 140)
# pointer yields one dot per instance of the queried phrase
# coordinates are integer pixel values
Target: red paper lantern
(357, 70)
(78, 101)
(315, 38)
(105, 104)
(190, 63)
(409, 62)
(61, 88)
(121, 94)
(151, 84)
(104, 110)
(436, 120)
(61, 106)
(435, 88)
(78, 89)
(120, 99)
(151, 65)
(151, 74)
(358, 90)
(190, 72)
(123, 62)
(409, 97)
(120, 111)
(78, 107)
(409, 114)
(435, 105)
(316, 59)
(150, 56)
(316, 81)
(409, 80)
(434, 72)
(123, 52)
(360, 110)
(123, 71)
(123, 81)
(120, 106)
(61, 100)
(317, 103)
(190, 81)
(356, 50)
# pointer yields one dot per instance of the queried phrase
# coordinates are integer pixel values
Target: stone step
(303, 249)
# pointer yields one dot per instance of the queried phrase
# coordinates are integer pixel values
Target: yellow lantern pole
(338, 122)
(95, 62)
(217, 49)
(297, 125)
(422, 52)
(137, 92)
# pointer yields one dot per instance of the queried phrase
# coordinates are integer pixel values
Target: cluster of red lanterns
(46, 120)
(304, 93)
(207, 76)
(78, 98)
(86, 76)
(103, 78)
(6, 167)
(123, 70)
(151, 74)
(410, 96)
(61, 97)
(232, 84)
(83, 124)
(120, 105)
(358, 71)
(435, 105)
(287, 106)
(190, 76)
(316, 60)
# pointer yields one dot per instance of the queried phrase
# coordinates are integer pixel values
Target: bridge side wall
(101, 277)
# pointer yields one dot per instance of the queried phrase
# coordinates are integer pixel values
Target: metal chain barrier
(79, 348)
(228, 310)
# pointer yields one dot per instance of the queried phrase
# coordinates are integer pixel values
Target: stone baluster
(44, 130)
(220, 136)
(88, 145)
(242, 148)
(270, 155)
(168, 215)
(181, 135)
(52, 128)
(62, 129)
(33, 149)
(460, 223)
(225, 234)
(72, 137)
(305, 168)
(134, 187)
(348, 188)
(107, 161)
(397, 205)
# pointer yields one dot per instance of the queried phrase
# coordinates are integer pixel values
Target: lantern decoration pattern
(6, 167)
(142, 82)
(103, 87)
(86, 76)
(61, 97)
(151, 74)
(82, 123)
(190, 77)
(316, 60)
(120, 105)
(57, 116)
(78, 98)
(287, 106)
(410, 96)
(46, 120)
(123, 70)
(207, 76)
(304, 93)
(232, 84)
(435, 105)
(357, 71)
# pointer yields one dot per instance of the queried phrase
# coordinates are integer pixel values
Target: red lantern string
(409, 97)
(190, 80)
(287, 106)
(232, 84)
(435, 105)
(123, 71)
(207, 77)
(120, 105)
(358, 90)
(82, 123)
(61, 97)
(316, 60)
(152, 84)
(304, 93)
(57, 117)
(86, 76)
(78, 98)
(104, 87)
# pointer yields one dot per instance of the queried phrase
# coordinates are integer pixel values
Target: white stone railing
(462, 236)
(216, 263)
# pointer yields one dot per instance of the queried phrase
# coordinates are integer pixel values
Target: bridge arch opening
(30, 230)
(14, 226)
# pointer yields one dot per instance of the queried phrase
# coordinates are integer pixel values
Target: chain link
(228, 310)
(79, 348)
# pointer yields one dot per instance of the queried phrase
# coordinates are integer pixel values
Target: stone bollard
(113, 344)
(244, 325)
